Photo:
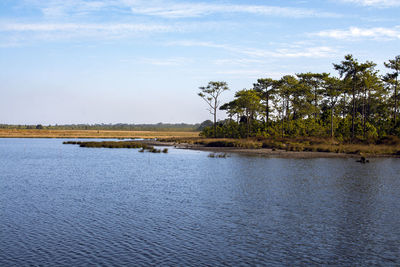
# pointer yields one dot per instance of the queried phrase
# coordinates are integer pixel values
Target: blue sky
(135, 61)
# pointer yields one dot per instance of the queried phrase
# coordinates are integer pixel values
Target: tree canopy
(357, 104)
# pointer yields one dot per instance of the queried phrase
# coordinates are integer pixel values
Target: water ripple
(69, 206)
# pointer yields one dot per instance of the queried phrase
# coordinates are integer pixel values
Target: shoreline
(263, 152)
(149, 139)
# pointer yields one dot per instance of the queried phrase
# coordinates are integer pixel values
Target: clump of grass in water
(152, 149)
(216, 155)
(71, 143)
(118, 144)
(111, 144)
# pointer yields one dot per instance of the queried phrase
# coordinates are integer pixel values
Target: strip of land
(285, 148)
(44, 133)
(251, 148)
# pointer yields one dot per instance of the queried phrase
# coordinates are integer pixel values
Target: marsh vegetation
(118, 144)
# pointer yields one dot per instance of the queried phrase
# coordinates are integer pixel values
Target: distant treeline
(357, 104)
(119, 126)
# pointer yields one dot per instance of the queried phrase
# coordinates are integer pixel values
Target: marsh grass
(112, 144)
(218, 155)
(389, 145)
(118, 144)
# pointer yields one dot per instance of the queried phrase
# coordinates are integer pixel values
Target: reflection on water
(65, 205)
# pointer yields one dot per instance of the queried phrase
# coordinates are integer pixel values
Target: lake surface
(62, 205)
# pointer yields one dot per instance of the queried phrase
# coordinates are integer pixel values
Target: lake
(62, 205)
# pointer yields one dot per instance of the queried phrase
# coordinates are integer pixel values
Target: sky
(142, 61)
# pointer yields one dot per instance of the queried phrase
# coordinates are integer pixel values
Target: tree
(392, 79)
(204, 124)
(332, 90)
(313, 82)
(265, 87)
(369, 82)
(211, 94)
(232, 108)
(249, 101)
(350, 69)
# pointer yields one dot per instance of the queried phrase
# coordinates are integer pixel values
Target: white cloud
(252, 73)
(238, 61)
(178, 61)
(17, 34)
(58, 8)
(309, 52)
(167, 9)
(375, 3)
(185, 10)
(73, 27)
(377, 33)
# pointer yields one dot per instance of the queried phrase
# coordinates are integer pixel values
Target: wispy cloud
(377, 33)
(169, 9)
(16, 34)
(375, 3)
(59, 8)
(186, 10)
(111, 27)
(177, 61)
(309, 52)
(238, 61)
(251, 73)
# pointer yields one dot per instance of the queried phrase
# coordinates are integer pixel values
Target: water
(62, 205)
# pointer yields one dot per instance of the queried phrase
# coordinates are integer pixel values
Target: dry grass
(296, 144)
(43, 133)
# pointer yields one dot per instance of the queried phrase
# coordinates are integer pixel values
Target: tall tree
(287, 86)
(350, 69)
(333, 88)
(369, 82)
(250, 102)
(211, 94)
(392, 78)
(233, 108)
(313, 81)
(265, 87)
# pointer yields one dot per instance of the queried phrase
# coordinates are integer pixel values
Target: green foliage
(360, 105)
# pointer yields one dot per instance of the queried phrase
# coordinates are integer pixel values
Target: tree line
(357, 104)
(183, 127)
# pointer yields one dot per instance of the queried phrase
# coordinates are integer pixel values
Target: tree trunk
(215, 123)
(332, 121)
(395, 101)
(283, 117)
(354, 108)
(267, 110)
(248, 124)
(315, 104)
(344, 106)
(364, 120)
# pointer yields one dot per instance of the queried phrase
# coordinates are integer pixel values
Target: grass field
(34, 133)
